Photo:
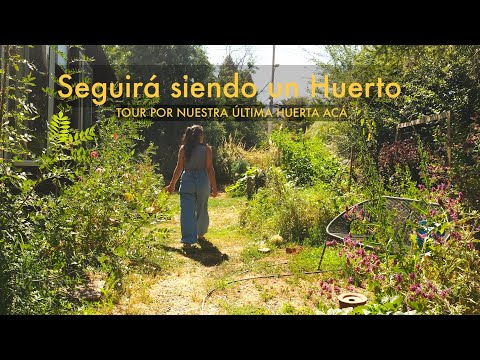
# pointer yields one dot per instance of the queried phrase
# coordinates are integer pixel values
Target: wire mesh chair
(403, 211)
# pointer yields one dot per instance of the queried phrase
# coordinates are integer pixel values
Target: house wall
(48, 65)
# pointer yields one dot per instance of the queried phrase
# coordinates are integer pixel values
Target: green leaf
(359, 310)
(120, 251)
(397, 301)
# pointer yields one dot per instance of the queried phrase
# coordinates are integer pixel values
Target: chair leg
(323, 253)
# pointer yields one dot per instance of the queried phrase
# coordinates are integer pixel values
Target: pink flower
(115, 136)
(398, 278)
(456, 235)
(453, 215)
(94, 155)
(99, 170)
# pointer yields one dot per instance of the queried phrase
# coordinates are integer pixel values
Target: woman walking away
(197, 179)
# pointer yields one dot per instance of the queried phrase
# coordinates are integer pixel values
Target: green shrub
(257, 178)
(293, 213)
(232, 159)
(305, 160)
(105, 197)
(106, 209)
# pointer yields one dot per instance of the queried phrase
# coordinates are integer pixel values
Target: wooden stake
(351, 169)
(449, 135)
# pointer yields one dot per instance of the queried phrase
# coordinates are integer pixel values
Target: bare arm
(178, 170)
(211, 171)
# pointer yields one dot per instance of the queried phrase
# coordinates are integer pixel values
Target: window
(86, 104)
(82, 111)
(62, 55)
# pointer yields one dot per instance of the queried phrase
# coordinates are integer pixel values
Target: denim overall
(194, 192)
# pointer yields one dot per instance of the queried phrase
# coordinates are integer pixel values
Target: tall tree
(170, 63)
(250, 130)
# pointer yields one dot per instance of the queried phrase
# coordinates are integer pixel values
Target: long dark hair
(191, 138)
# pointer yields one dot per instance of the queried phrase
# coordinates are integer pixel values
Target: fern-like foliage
(62, 136)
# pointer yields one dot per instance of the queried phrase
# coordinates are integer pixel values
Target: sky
(295, 64)
(284, 54)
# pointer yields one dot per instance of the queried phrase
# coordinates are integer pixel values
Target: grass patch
(267, 294)
(289, 309)
(309, 258)
(223, 201)
(230, 233)
(135, 296)
(250, 253)
(248, 309)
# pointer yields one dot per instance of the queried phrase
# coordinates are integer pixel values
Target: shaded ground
(229, 254)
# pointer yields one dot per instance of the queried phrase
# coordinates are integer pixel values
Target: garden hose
(262, 277)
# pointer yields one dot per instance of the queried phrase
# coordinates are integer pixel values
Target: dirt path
(229, 254)
(182, 289)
